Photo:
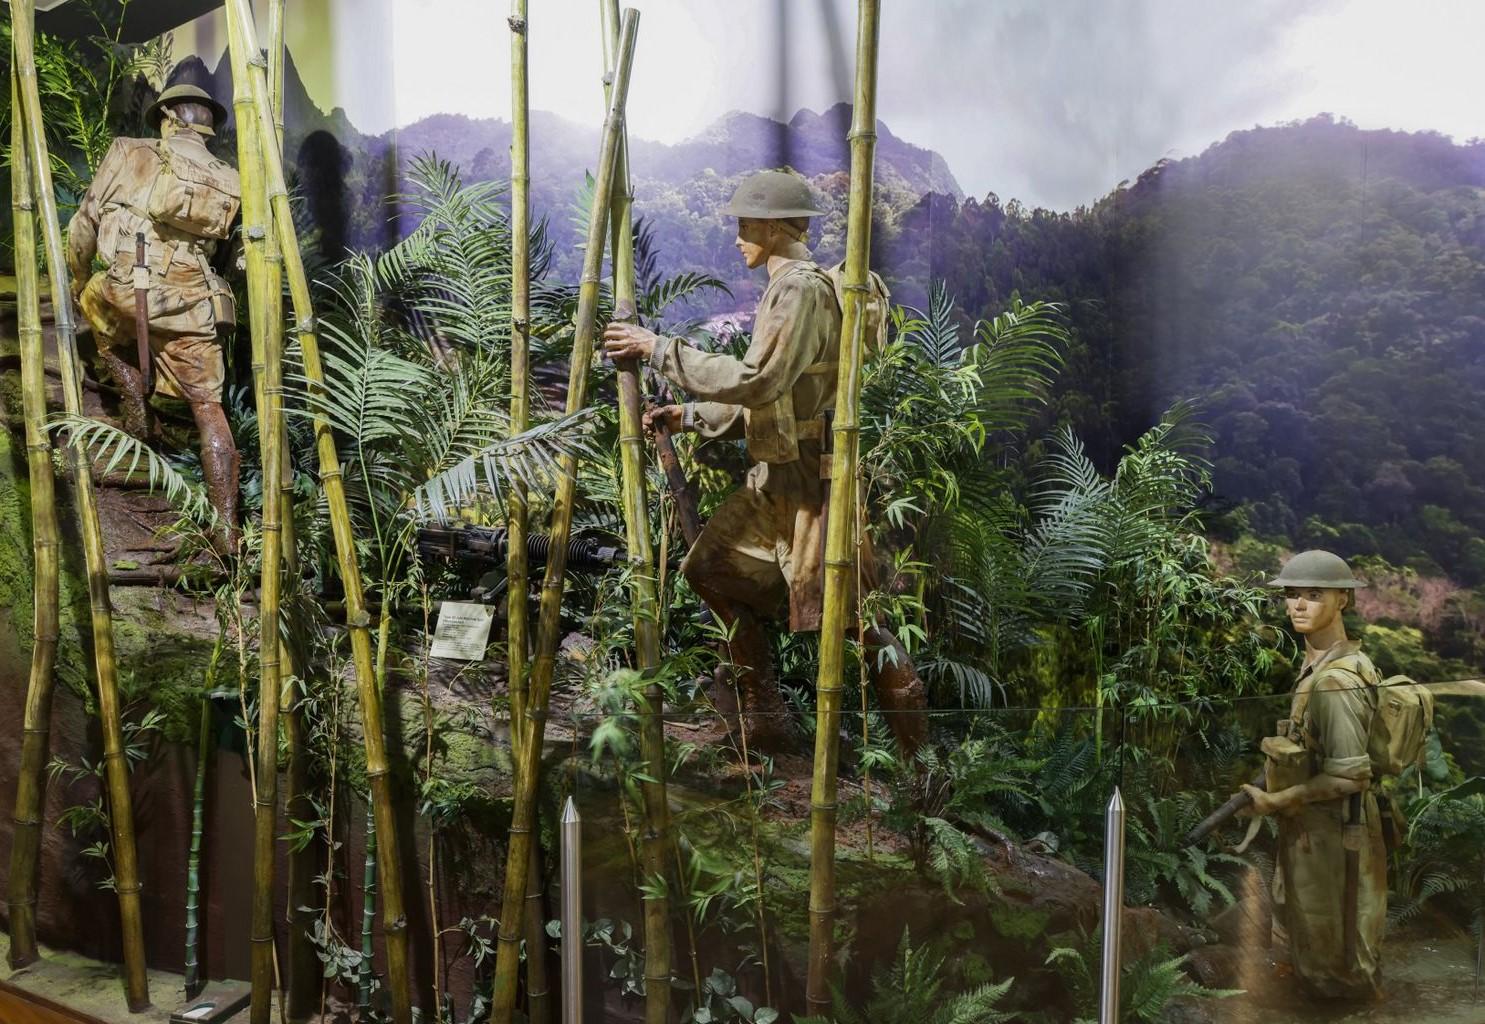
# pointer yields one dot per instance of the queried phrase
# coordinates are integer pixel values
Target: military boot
(764, 715)
(898, 688)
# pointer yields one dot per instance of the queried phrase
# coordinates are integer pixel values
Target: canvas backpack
(878, 304)
(1400, 726)
(198, 197)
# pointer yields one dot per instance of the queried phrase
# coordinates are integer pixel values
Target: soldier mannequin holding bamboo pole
(762, 552)
(180, 200)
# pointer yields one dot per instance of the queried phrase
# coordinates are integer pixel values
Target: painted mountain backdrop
(1317, 288)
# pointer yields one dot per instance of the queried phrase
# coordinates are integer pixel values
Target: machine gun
(486, 548)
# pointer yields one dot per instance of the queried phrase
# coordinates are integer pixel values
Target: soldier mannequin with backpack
(1324, 770)
(761, 554)
(153, 217)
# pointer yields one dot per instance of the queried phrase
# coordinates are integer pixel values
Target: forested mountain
(1318, 288)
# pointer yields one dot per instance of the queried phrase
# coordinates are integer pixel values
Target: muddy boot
(133, 409)
(764, 716)
(220, 465)
(898, 689)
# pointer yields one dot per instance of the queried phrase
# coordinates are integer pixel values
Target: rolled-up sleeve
(1340, 715)
(784, 343)
(714, 419)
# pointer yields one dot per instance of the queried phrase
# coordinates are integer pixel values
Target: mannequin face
(1314, 609)
(757, 240)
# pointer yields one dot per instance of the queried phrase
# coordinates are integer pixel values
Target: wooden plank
(17, 1006)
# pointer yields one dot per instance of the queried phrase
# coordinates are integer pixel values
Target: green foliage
(1159, 866)
(91, 91)
(1147, 985)
(909, 990)
(1444, 866)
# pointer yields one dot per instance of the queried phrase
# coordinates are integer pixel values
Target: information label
(463, 631)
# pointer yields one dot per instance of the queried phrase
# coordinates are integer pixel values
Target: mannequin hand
(667, 416)
(1264, 803)
(628, 341)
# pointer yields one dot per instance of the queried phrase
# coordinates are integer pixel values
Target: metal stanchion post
(572, 914)
(1113, 908)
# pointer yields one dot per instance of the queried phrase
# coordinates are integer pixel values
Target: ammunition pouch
(223, 301)
(1287, 763)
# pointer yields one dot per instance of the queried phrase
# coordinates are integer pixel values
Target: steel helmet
(772, 195)
(183, 94)
(1316, 569)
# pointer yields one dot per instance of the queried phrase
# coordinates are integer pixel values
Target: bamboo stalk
(538, 1009)
(644, 600)
(548, 633)
(517, 564)
(304, 962)
(266, 386)
(121, 812)
(357, 620)
(31, 781)
(840, 542)
(194, 982)
(368, 915)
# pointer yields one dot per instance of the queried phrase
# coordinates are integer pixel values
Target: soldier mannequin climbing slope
(761, 552)
(183, 200)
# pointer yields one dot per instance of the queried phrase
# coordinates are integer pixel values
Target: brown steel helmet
(772, 195)
(1316, 569)
(185, 94)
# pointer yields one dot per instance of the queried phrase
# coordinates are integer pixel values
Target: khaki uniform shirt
(183, 326)
(1331, 716)
(763, 546)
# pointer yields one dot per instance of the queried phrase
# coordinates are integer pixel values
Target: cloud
(1056, 103)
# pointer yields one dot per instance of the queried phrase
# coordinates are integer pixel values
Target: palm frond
(111, 447)
(534, 459)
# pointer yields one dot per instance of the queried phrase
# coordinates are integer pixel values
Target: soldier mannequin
(188, 304)
(761, 552)
(1319, 782)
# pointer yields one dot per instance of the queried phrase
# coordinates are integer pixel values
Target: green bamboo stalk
(548, 632)
(120, 810)
(194, 982)
(517, 564)
(368, 915)
(31, 781)
(266, 386)
(645, 603)
(840, 539)
(304, 963)
(357, 620)
(538, 1009)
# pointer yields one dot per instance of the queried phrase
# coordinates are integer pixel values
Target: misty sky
(1049, 101)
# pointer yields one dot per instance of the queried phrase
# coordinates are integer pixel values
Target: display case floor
(64, 988)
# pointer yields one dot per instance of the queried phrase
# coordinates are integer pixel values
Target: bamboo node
(379, 773)
(862, 288)
(29, 901)
(128, 890)
(256, 233)
(259, 60)
(305, 326)
(861, 133)
(841, 563)
(517, 25)
(333, 473)
(24, 204)
(25, 822)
